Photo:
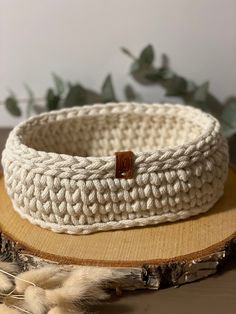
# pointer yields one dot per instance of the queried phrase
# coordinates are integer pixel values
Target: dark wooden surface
(214, 295)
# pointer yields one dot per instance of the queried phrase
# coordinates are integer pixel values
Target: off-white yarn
(59, 167)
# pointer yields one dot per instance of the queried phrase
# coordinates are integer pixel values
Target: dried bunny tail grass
(15, 302)
(9, 267)
(6, 284)
(94, 275)
(91, 282)
(4, 309)
(38, 301)
(80, 293)
(84, 285)
(58, 290)
(47, 277)
(35, 300)
(7, 273)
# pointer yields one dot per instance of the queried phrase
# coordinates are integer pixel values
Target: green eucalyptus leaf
(131, 94)
(146, 57)
(229, 133)
(191, 87)
(135, 67)
(52, 100)
(228, 117)
(30, 101)
(231, 100)
(108, 93)
(11, 105)
(92, 97)
(76, 96)
(176, 86)
(228, 130)
(59, 84)
(154, 75)
(125, 51)
(229, 114)
(201, 93)
(69, 85)
(165, 63)
(157, 75)
(167, 74)
(128, 53)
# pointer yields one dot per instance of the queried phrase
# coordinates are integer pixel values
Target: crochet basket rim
(158, 153)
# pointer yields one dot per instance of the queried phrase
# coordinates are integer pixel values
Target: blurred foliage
(143, 70)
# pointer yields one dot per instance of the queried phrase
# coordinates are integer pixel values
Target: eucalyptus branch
(143, 70)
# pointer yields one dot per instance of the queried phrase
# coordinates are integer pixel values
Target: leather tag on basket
(124, 164)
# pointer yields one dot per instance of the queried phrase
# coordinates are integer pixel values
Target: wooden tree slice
(152, 257)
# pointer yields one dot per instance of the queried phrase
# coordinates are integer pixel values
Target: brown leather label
(125, 164)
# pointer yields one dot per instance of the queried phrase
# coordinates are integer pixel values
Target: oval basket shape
(117, 165)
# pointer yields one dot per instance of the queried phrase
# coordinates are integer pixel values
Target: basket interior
(103, 135)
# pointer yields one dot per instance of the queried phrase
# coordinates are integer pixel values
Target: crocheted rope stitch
(59, 167)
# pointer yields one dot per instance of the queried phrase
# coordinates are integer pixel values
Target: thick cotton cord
(59, 167)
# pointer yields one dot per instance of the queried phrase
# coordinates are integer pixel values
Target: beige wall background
(81, 39)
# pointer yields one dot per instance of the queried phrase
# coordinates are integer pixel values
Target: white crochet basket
(62, 171)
